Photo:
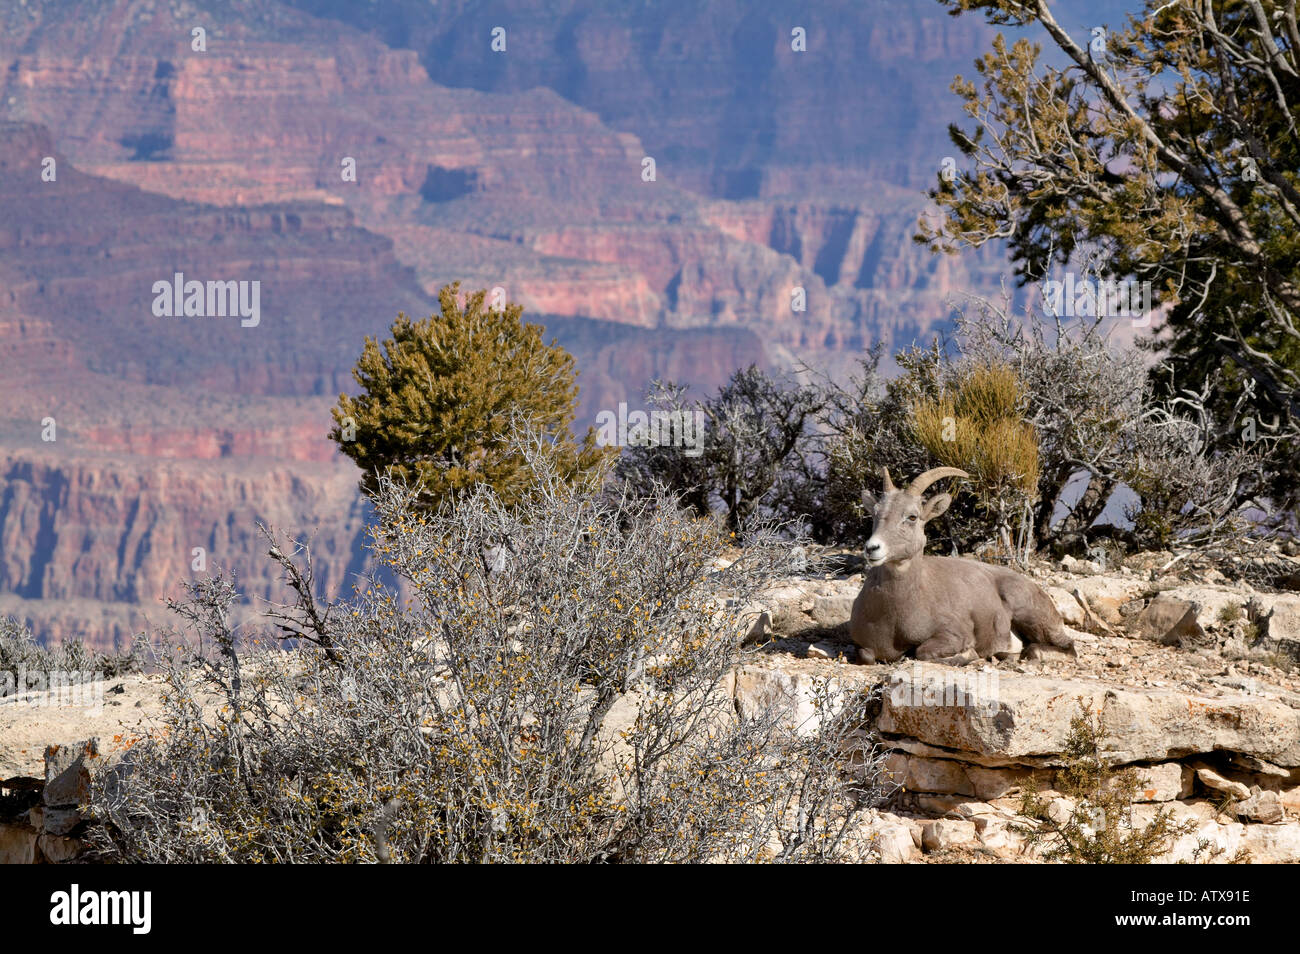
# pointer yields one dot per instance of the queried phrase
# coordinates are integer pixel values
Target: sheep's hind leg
(1040, 652)
(1035, 619)
(946, 649)
(1013, 651)
(1046, 638)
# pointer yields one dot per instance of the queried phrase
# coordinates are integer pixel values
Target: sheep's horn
(889, 484)
(918, 486)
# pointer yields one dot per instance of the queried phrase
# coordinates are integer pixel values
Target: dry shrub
(976, 423)
(548, 683)
(1098, 416)
(758, 450)
(19, 650)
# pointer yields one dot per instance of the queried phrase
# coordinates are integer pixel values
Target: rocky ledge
(1194, 680)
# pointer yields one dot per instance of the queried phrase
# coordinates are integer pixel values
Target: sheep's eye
(911, 517)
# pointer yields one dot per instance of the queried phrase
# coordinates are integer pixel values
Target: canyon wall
(525, 170)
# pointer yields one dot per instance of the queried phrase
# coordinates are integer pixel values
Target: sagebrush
(546, 682)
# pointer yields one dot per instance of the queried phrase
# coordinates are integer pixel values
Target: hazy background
(520, 169)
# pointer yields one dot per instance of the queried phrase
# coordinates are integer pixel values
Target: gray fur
(942, 609)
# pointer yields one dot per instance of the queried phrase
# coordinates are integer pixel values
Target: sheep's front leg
(947, 648)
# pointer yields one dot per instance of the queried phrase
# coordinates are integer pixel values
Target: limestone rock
(1257, 766)
(1272, 844)
(61, 821)
(1017, 716)
(1132, 608)
(67, 772)
(947, 833)
(942, 805)
(1280, 629)
(976, 810)
(893, 839)
(991, 783)
(1060, 809)
(1164, 782)
(1084, 567)
(17, 844)
(759, 629)
(1104, 595)
(998, 840)
(785, 609)
(1210, 602)
(758, 686)
(1169, 621)
(1216, 782)
(937, 776)
(833, 609)
(1262, 806)
(1066, 604)
(25, 731)
(57, 850)
(1267, 844)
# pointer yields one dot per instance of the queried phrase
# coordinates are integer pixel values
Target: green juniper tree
(1095, 823)
(441, 398)
(1166, 151)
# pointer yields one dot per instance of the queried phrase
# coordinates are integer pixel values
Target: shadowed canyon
(138, 451)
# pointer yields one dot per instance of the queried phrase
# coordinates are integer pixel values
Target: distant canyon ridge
(350, 159)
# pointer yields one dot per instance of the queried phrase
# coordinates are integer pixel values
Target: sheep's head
(900, 516)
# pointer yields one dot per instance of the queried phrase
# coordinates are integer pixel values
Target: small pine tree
(440, 399)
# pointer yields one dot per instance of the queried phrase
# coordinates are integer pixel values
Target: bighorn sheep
(948, 609)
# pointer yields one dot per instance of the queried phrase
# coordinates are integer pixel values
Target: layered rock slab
(1013, 717)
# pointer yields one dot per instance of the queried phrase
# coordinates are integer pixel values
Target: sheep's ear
(935, 506)
(868, 500)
